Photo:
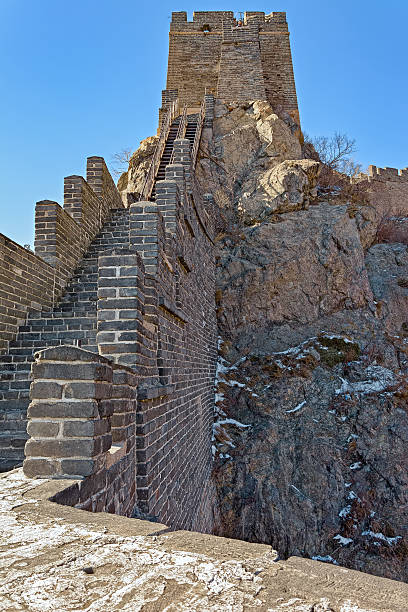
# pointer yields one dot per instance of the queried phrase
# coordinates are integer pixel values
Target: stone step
(72, 321)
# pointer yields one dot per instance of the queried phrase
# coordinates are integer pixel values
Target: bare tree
(120, 161)
(335, 152)
(339, 171)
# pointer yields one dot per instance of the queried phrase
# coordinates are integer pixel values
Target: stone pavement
(56, 557)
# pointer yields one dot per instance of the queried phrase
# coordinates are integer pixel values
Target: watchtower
(235, 61)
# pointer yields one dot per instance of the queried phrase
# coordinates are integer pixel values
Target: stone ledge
(171, 308)
(148, 393)
(64, 541)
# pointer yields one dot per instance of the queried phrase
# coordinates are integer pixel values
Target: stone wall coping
(147, 393)
(115, 454)
(66, 352)
(29, 507)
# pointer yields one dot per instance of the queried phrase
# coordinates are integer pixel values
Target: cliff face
(311, 405)
(311, 428)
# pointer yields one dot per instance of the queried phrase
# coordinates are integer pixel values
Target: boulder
(286, 187)
(132, 181)
(308, 265)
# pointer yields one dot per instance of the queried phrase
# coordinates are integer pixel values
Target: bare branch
(120, 161)
(335, 152)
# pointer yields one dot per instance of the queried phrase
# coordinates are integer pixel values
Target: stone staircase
(72, 321)
(191, 129)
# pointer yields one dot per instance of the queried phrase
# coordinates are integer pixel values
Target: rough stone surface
(238, 162)
(311, 426)
(308, 265)
(387, 267)
(60, 558)
(132, 180)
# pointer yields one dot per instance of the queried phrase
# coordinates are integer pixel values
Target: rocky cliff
(311, 405)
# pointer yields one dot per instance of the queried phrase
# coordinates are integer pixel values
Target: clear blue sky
(84, 77)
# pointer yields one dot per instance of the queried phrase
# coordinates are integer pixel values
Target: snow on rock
(345, 511)
(382, 537)
(325, 559)
(378, 379)
(342, 540)
(232, 422)
(296, 408)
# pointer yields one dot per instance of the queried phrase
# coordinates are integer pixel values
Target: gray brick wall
(133, 424)
(34, 282)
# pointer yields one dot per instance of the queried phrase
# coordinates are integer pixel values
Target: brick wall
(151, 389)
(240, 72)
(389, 189)
(82, 426)
(277, 64)
(62, 235)
(26, 283)
(210, 53)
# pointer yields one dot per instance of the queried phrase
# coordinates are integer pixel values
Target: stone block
(69, 371)
(87, 390)
(85, 429)
(41, 468)
(43, 429)
(77, 468)
(63, 410)
(45, 390)
(62, 448)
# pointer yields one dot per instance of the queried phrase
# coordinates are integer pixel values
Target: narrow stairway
(72, 321)
(191, 129)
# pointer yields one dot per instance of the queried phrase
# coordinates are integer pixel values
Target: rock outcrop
(312, 423)
(132, 180)
(311, 413)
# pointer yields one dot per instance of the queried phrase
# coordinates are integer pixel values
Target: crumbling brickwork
(212, 53)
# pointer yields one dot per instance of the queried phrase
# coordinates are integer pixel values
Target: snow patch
(232, 422)
(298, 407)
(326, 559)
(345, 511)
(378, 379)
(381, 536)
(342, 540)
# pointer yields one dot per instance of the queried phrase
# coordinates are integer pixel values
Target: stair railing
(197, 137)
(158, 152)
(181, 129)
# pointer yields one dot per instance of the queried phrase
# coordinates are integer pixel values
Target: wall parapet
(387, 174)
(80, 403)
(27, 282)
(144, 405)
(31, 281)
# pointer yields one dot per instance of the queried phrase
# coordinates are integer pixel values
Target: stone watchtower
(234, 61)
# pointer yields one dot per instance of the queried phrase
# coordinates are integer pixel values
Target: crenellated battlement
(387, 174)
(237, 60)
(217, 18)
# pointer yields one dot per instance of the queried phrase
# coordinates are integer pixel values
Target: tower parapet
(236, 60)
